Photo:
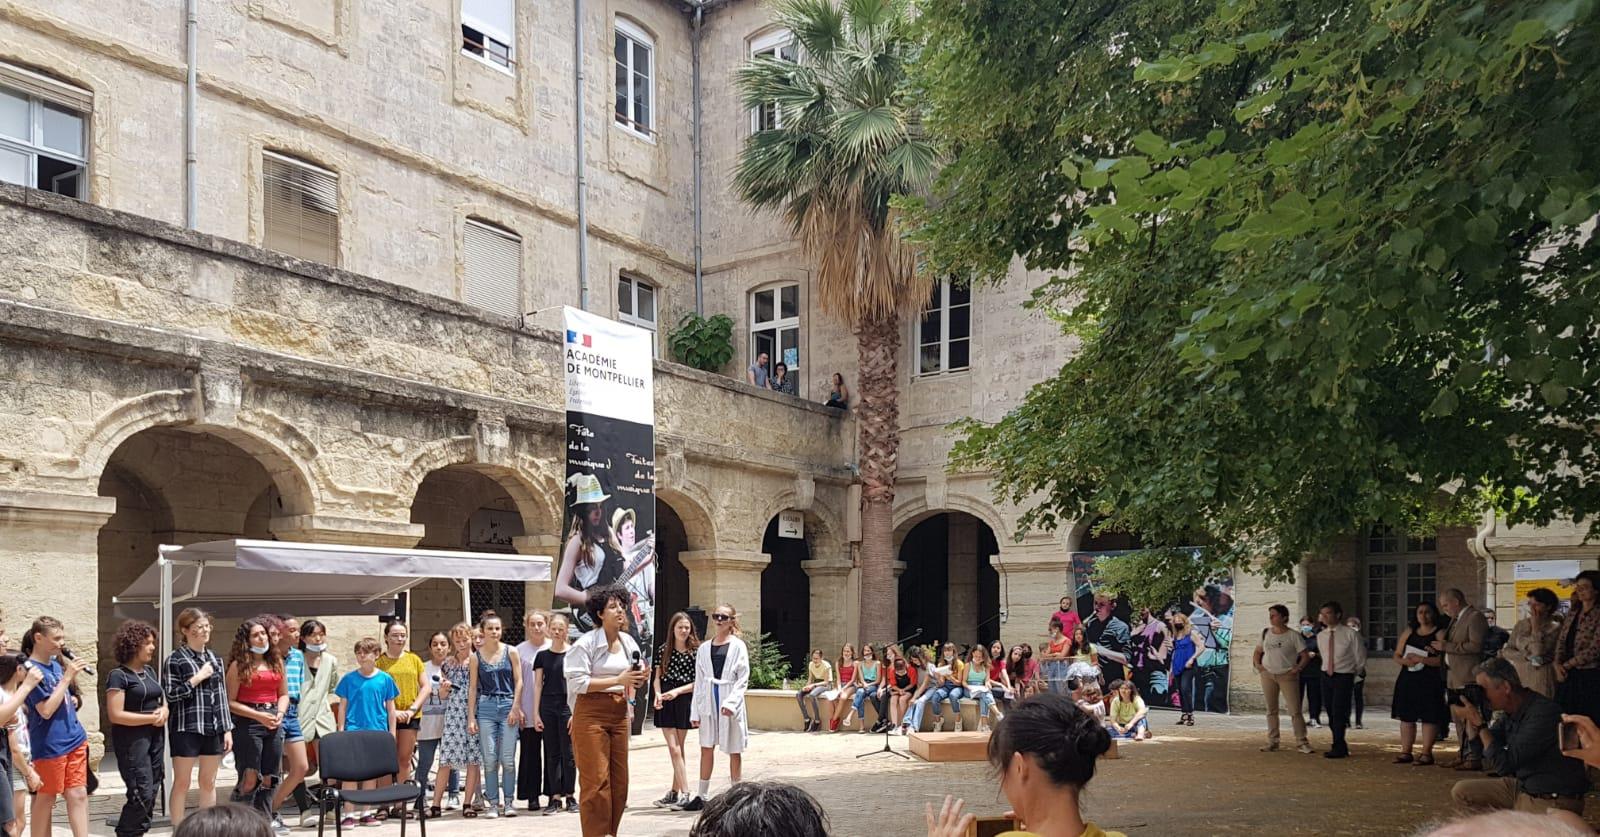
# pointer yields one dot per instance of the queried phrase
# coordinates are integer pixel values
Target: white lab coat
(730, 734)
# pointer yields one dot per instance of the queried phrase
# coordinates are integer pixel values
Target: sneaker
(452, 801)
(938, 723)
(553, 808)
(279, 827)
(491, 812)
(1305, 748)
(833, 725)
(1359, 726)
(347, 822)
(666, 801)
(698, 803)
(370, 820)
(572, 805)
(958, 724)
(509, 810)
(309, 819)
(1270, 748)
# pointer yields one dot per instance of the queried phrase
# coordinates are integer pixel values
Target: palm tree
(845, 141)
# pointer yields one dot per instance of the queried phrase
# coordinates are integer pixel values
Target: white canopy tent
(235, 578)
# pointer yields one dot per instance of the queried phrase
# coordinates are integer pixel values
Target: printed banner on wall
(1145, 647)
(609, 532)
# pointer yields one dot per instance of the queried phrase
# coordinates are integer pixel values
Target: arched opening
(949, 590)
(467, 507)
(786, 595)
(672, 578)
(175, 486)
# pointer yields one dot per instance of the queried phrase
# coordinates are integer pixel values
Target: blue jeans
(950, 693)
(499, 743)
(1139, 726)
(985, 700)
(864, 694)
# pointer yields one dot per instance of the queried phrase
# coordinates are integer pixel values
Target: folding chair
(352, 757)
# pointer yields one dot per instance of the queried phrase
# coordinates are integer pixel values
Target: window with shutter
(488, 30)
(492, 269)
(300, 209)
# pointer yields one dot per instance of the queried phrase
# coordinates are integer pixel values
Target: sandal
(381, 814)
(1404, 758)
(434, 812)
(1424, 761)
(470, 812)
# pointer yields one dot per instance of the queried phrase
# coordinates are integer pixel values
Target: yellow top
(1089, 830)
(407, 674)
(821, 670)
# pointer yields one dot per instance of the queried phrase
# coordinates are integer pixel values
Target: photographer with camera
(1523, 747)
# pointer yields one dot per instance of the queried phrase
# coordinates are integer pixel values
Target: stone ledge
(58, 504)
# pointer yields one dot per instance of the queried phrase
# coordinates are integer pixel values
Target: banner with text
(609, 532)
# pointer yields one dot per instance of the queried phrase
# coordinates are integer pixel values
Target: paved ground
(1206, 779)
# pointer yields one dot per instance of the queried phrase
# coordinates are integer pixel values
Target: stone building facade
(168, 385)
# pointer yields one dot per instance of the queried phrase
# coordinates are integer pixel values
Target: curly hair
(239, 654)
(130, 637)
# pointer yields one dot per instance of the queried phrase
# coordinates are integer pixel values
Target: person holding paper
(1419, 691)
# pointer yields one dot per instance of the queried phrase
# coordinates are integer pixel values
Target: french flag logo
(583, 340)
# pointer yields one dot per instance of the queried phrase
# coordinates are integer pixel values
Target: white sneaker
(938, 723)
(452, 802)
(1305, 748)
(279, 827)
(958, 724)
(491, 812)
(309, 819)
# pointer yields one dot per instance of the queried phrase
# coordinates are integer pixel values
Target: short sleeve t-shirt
(1123, 712)
(1279, 652)
(432, 724)
(364, 698)
(551, 666)
(62, 732)
(141, 691)
(407, 672)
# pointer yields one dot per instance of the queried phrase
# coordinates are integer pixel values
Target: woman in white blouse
(721, 676)
(603, 670)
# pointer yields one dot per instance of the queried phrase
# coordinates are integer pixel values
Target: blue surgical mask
(1306, 629)
(258, 649)
(317, 648)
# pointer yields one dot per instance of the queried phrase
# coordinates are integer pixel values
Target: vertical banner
(609, 532)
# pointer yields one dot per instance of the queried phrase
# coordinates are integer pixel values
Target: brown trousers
(1503, 794)
(600, 747)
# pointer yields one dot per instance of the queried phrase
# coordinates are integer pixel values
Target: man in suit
(1462, 645)
(1342, 653)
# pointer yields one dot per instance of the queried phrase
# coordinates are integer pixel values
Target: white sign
(791, 524)
(609, 369)
(1540, 570)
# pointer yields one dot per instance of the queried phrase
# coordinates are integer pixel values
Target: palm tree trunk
(878, 417)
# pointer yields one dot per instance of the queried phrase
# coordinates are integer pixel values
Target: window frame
(40, 91)
(510, 65)
(631, 317)
(268, 154)
(771, 42)
(941, 293)
(777, 325)
(625, 28)
(509, 235)
(1378, 633)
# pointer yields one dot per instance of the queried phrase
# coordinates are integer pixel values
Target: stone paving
(1206, 779)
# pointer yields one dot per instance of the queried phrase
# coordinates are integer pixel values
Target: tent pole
(466, 600)
(165, 564)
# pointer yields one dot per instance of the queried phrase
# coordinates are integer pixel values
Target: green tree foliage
(1318, 259)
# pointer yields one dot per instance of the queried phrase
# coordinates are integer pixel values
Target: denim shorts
(292, 734)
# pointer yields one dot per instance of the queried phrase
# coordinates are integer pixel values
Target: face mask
(258, 649)
(1305, 629)
(317, 648)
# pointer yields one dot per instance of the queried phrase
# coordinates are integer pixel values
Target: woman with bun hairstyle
(1044, 752)
(721, 676)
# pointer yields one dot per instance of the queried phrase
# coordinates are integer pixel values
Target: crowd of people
(778, 377)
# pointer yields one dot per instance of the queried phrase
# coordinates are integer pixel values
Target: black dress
(674, 714)
(1419, 695)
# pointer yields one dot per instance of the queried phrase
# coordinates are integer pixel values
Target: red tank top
(262, 688)
(847, 673)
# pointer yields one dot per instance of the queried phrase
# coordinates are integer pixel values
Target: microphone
(67, 653)
(638, 663)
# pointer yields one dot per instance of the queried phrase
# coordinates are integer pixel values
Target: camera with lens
(1473, 695)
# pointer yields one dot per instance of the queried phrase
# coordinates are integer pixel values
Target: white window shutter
(493, 269)
(300, 210)
(494, 18)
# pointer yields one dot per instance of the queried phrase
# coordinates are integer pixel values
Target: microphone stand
(887, 730)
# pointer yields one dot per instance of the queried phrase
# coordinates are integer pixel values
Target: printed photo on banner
(1154, 646)
(608, 536)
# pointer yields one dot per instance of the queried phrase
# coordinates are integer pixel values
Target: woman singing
(202, 728)
(602, 672)
(721, 676)
(674, 686)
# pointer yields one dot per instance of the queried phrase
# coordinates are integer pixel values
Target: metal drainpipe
(699, 263)
(580, 161)
(191, 159)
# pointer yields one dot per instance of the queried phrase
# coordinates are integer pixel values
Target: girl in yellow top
(819, 680)
(1045, 752)
(406, 669)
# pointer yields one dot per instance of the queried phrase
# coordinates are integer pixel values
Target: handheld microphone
(67, 653)
(638, 663)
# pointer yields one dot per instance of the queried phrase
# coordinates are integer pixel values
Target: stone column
(830, 602)
(49, 546)
(1252, 595)
(722, 575)
(538, 595)
(1033, 578)
(961, 603)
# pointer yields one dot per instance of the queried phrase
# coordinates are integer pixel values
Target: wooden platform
(950, 746)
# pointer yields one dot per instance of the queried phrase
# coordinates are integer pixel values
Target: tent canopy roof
(234, 578)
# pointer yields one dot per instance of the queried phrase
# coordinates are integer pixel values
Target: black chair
(360, 756)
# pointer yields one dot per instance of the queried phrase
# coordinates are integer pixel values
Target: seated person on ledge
(1524, 748)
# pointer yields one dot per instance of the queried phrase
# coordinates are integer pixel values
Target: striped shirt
(201, 709)
(294, 671)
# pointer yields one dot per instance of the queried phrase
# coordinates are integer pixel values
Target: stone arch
(949, 589)
(916, 509)
(286, 458)
(829, 529)
(692, 506)
(537, 497)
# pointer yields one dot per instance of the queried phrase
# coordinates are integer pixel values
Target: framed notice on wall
(1528, 576)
